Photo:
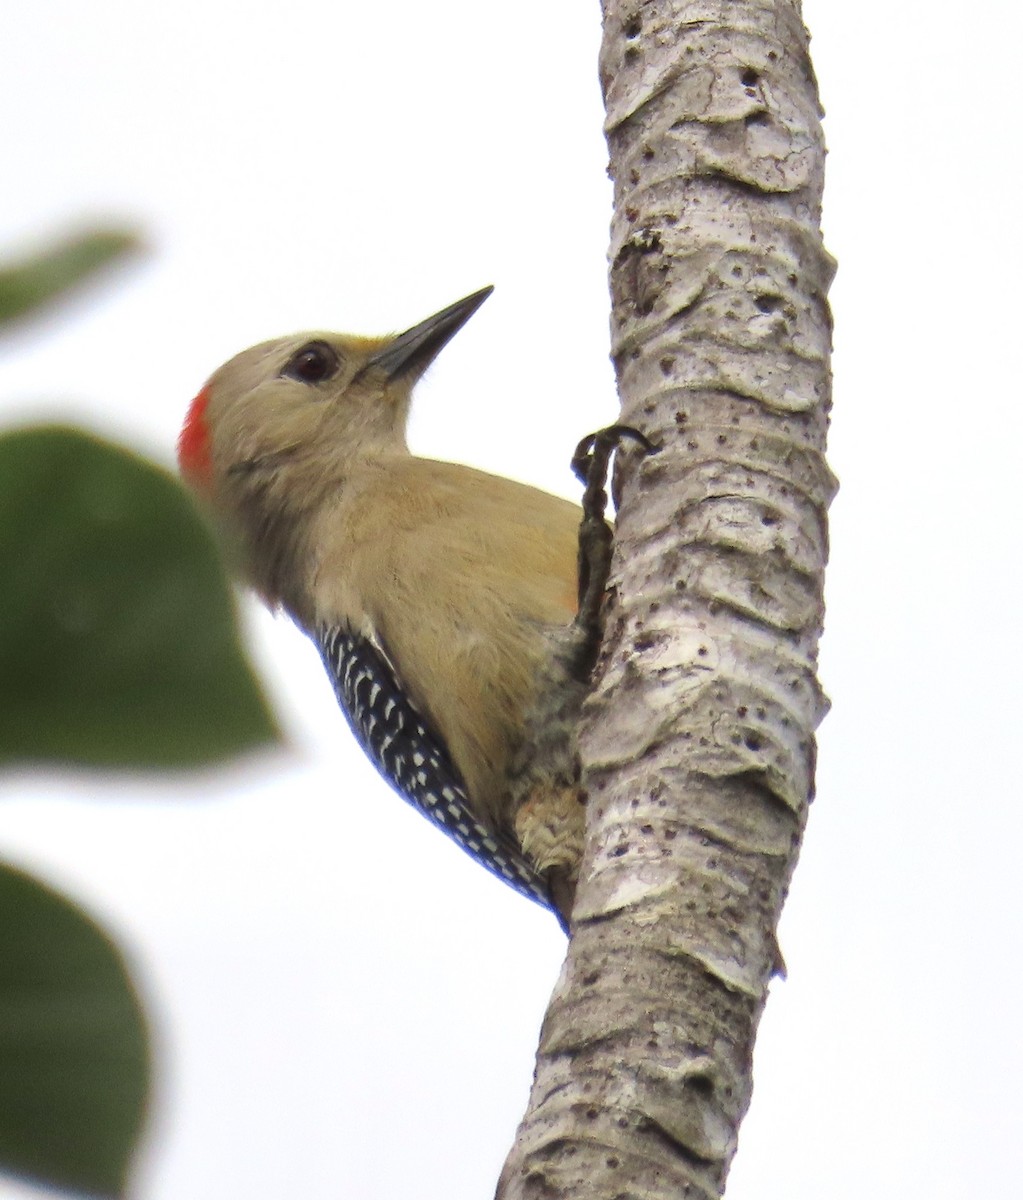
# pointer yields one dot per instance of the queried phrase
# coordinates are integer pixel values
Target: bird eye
(314, 363)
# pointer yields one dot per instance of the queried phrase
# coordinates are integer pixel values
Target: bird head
(286, 418)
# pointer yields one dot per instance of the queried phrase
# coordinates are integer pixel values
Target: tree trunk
(697, 744)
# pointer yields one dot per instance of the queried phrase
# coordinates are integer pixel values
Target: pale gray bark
(697, 744)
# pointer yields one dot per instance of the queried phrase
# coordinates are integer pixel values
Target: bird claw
(592, 455)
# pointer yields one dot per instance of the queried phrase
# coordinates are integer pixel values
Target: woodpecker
(442, 598)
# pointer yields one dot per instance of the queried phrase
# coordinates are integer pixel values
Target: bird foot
(590, 463)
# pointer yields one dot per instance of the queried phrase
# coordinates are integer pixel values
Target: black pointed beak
(411, 352)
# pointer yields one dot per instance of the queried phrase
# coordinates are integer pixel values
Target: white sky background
(345, 1004)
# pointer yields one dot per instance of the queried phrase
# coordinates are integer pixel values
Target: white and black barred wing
(412, 758)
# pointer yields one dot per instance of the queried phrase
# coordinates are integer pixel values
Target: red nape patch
(194, 443)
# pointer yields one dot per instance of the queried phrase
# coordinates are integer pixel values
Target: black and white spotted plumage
(412, 758)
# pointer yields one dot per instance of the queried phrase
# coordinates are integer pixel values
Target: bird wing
(412, 758)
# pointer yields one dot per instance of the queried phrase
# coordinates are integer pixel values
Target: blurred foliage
(49, 276)
(118, 644)
(73, 1044)
(118, 648)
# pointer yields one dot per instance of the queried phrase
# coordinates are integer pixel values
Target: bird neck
(276, 510)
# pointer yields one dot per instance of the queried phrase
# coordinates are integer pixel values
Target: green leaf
(74, 1057)
(46, 277)
(118, 637)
